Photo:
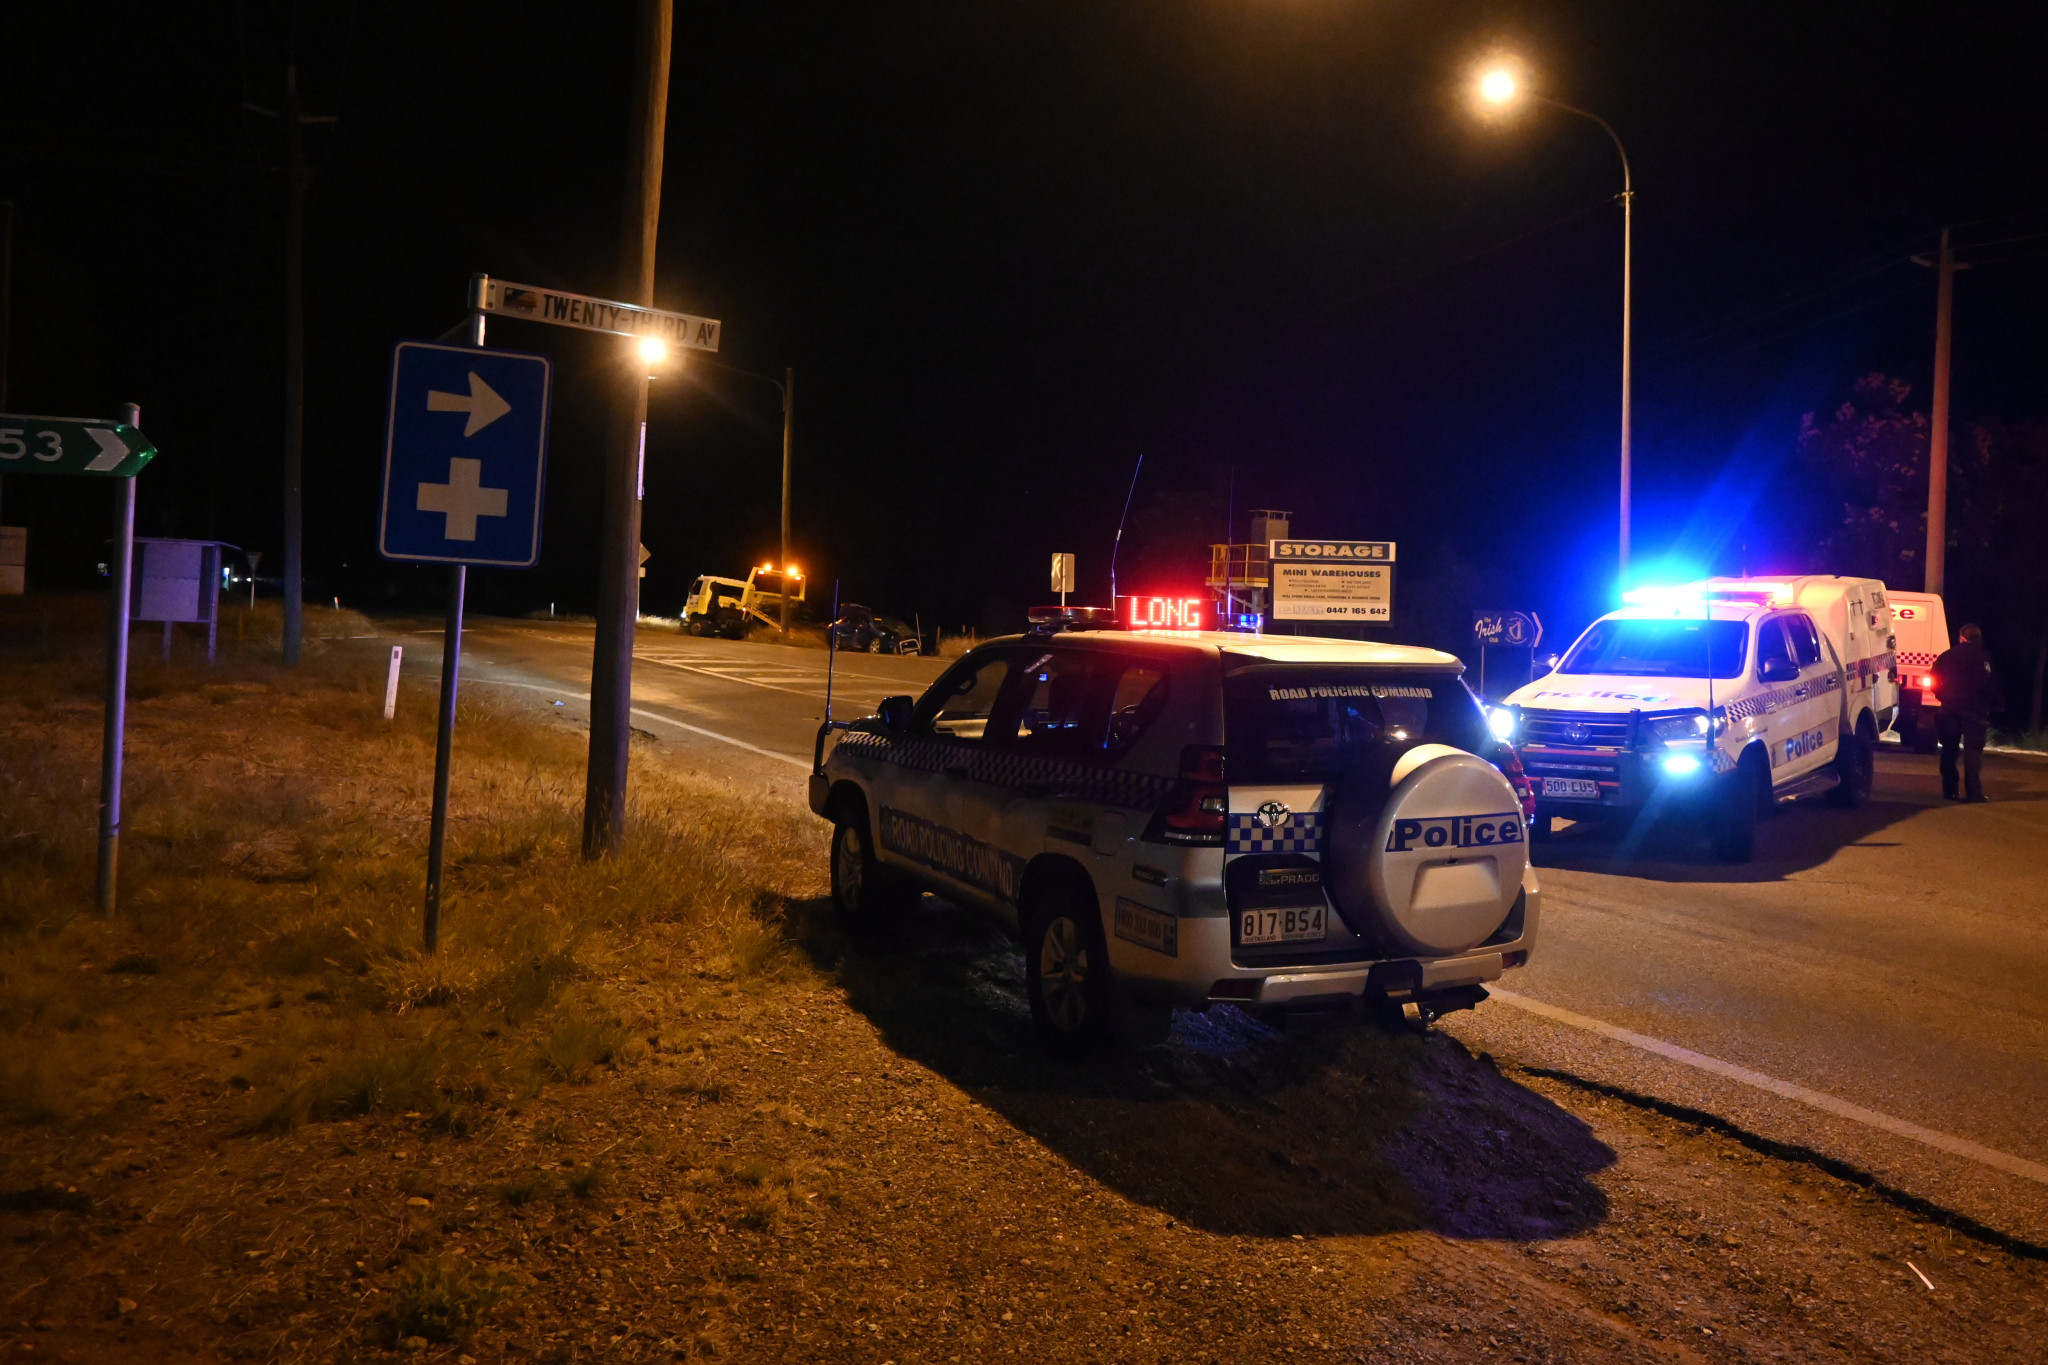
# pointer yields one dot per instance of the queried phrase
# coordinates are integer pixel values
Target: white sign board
(595, 315)
(1333, 580)
(1062, 573)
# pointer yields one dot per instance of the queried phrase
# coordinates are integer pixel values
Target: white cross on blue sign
(465, 451)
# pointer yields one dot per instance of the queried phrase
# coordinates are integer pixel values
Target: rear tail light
(1510, 764)
(1200, 804)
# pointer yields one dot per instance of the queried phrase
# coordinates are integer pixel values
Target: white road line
(716, 667)
(653, 716)
(1816, 1099)
(725, 677)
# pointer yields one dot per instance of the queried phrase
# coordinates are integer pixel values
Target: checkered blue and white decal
(1298, 832)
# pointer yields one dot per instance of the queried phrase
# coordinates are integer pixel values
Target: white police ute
(1717, 698)
(1175, 818)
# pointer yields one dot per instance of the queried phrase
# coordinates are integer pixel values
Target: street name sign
(1332, 580)
(593, 315)
(72, 445)
(1519, 629)
(465, 454)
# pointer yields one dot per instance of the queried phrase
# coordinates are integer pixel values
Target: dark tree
(1872, 453)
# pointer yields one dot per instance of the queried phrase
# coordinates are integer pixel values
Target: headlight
(1501, 722)
(1686, 727)
(1681, 765)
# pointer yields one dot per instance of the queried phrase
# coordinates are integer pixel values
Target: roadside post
(391, 683)
(1063, 576)
(109, 447)
(465, 462)
(611, 668)
(1519, 630)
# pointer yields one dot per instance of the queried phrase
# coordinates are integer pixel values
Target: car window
(1058, 705)
(1639, 648)
(1771, 645)
(1134, 703)
(1310, 724)
(959, 704)
(1805, 643)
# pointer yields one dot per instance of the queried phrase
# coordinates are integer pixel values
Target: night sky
(1009, 248)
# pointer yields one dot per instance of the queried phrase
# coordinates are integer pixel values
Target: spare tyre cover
(1436, 866)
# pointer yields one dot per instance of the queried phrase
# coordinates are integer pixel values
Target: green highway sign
(72, 445)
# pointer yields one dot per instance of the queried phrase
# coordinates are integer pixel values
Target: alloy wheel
(1063, 974)
(849, 867)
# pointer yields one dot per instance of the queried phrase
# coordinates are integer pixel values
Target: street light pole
(1628, 215)
(618, 589)
(1498, 87)
(788, 420)
(786, 386)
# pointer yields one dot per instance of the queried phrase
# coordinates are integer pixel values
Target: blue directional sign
(465, 450)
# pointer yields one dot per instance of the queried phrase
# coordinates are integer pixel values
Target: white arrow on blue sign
(465, 456)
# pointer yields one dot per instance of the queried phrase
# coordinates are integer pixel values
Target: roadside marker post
(1063, 576)
(391, 683)
(107, 448)
(465, 463)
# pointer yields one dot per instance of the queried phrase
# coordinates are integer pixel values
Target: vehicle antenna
(1118, 543)
(831, 650)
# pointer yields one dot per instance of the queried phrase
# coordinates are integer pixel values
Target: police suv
(1179, 817)
(1718, 697)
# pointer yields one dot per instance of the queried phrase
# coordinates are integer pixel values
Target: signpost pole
(444, 739)
(117, 680)
(444, 750)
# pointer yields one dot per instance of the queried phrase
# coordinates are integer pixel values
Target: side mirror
(1777, 670)
(1547, 664)
(895, 714)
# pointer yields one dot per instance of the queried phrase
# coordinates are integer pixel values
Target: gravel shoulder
(867, 1162)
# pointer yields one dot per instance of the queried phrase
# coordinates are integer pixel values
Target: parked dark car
(858, 627)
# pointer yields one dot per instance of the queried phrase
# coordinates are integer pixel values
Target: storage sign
(1333, 580)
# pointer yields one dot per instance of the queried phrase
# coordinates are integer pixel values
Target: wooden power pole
(618, 589)
(1945, 268)
(292, 120)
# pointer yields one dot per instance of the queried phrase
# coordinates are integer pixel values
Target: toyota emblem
(1273, 814)
(1578, 732)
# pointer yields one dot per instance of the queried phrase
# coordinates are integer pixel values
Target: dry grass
(268, 937)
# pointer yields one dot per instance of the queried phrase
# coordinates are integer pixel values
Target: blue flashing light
(1681, 596)
(1681, 765)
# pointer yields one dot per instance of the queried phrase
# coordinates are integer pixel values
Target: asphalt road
(1873, 987)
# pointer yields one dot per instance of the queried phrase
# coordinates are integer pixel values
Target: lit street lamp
(1501, 86)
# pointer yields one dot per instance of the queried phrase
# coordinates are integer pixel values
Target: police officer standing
(1969, 694)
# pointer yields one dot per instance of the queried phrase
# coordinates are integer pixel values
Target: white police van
(1718, 697)
(1180, 817)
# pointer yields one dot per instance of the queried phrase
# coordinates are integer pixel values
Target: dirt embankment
(662, 1108)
